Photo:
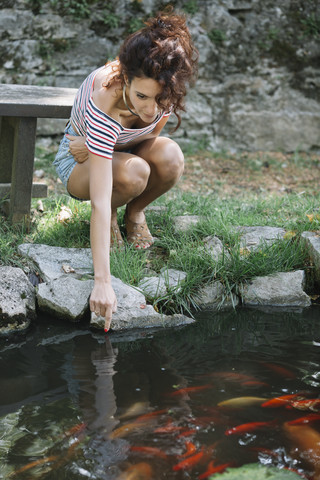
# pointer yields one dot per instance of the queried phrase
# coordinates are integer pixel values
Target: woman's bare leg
(166, 162)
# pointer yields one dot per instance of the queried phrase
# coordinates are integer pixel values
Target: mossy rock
(256, 471)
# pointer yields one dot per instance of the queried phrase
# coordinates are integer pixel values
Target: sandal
(138, 234)
(116, 240)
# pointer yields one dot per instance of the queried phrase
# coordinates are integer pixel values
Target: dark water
(76, 404)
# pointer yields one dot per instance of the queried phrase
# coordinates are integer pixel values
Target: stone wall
(259, 76)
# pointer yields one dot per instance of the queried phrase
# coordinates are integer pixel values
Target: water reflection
(86, 405)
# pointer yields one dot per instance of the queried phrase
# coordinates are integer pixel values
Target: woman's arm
(103, 300)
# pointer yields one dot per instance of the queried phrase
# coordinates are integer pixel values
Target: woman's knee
(133, 177)
(170, 161)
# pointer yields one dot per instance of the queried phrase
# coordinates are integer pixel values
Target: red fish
(310, 404)
(191, 449)
(212, 469)
(75, 430)
(233, 376)
(248, 427)
(145, 416)
(183, 391)
(281, 401)
(170, 427)
(154, 451)
(282, 371)
(187, 433)
(254, 383)
(35, 463)
(312, 417)
(188, 462)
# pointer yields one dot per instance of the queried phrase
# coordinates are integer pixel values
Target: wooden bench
(20, 106)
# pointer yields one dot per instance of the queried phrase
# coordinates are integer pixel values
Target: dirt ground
(257, 172)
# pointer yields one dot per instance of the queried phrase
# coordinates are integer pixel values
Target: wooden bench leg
(22, 168)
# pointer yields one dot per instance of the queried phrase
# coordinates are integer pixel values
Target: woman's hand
(103, 301)
(78, 148)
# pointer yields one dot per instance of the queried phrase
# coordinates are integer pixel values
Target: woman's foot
(138, 233)
(116, 240)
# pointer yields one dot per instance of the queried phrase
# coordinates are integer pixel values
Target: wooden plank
(39, 190)
(35, 101)
(22, 169)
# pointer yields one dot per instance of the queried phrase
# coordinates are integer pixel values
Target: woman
(112, 153)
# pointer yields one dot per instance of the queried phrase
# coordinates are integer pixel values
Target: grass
(295, 212)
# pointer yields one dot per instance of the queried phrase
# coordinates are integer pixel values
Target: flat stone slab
(284, 289)
(214, 296)
(54, 261)
(182, 223)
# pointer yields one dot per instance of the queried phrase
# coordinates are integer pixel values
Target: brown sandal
(138, 234)
(116, 240)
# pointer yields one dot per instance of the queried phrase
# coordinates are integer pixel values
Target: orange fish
(280, 370)
(183, 391)
(233, 376)
(188, 462)
(212, 469)
(247, 427)
(312, 417)
(280, 401)
(75, 430)
(310, 404)
(35, 463)
(170, 427)
(154, 451)
(138, 471)
(187, 433)
(254, 383)
(148, 415)
(305, 443)
(191, 449)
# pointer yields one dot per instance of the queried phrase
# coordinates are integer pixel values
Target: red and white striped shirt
(102, 132)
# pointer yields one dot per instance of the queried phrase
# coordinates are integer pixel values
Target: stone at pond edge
(312, 241)
(256, 471)
(51, 260)
(133, 312)
(65, 297)
(17, 301)
(214, 296)
(284, 289)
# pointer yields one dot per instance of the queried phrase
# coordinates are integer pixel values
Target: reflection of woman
(120, 110)
(95, 387)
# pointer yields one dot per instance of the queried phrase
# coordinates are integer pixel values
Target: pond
(173, 404)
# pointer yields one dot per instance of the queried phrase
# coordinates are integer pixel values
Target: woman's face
(142, 94)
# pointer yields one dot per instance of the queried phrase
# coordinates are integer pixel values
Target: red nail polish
(106, 330)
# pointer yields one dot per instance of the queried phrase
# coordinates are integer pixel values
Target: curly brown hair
(164, 51)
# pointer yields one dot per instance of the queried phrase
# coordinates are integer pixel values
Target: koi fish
(35, 463)
(188, 462)
(187, 433)
(212, 469)
(148, 415)
(170, 427)
(233, 376)
(280, 370)
(154, 451)
(183, 391)
(247, 427)
(126, 429)
(310, 404)
(75, 430)
(312, 417)
(191, 449)
(239, 402)
(254, 383)
(306, 443)
(137, 408)
(280, 401)
(138, 471)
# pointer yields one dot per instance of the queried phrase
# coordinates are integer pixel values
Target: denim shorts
(64, 161)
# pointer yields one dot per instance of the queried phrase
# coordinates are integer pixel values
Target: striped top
(102, 132)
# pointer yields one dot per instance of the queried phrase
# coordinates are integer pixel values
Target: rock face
(17, 301)
(258, 86)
